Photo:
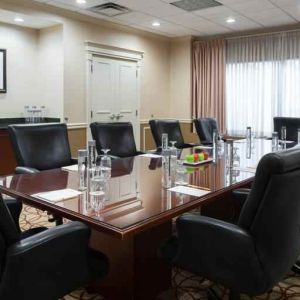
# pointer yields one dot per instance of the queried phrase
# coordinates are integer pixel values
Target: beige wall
(50, 81)
(22, 69)
(180, 78)
(155, 71)
(34, 70)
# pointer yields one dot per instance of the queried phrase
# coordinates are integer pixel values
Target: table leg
(136, 271)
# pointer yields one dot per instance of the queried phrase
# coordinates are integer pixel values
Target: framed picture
(2, 71)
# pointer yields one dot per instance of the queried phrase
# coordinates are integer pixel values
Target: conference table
(139, 214)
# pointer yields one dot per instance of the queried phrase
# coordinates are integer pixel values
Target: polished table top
(137, 200)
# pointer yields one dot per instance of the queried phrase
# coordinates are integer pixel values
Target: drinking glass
(105, 164)
(182, 177)
(82, 169)
(97, 193)
(275, 141)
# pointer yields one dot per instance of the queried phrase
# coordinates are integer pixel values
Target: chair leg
(296, 266)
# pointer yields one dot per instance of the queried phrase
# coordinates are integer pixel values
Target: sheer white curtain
(262, 81)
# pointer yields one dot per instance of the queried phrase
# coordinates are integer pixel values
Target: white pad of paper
(58, 195)
(189, 191)
(73, 168)
(150, 155)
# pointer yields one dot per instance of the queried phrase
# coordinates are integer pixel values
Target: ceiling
(174, 22)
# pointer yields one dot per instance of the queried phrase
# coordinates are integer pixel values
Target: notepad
(150, 155)
(72, 168)
(58, 195)
(245, 169)
(181, 189)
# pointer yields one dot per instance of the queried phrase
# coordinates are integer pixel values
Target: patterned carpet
(186, 286)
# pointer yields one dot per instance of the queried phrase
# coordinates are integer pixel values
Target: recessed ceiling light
(155, 24)
(81, 1)
(19, 19)
(230, 20)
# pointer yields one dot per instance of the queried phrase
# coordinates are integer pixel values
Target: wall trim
(146, 121)
(77, 125)
(94, 48)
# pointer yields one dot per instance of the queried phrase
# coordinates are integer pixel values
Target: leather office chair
(40, 147)
(45, 263)
(291, 124)
(118, 137)
(205, 128)
(172, 128)
(255, 254)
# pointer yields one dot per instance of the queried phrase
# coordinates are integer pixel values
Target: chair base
(296, 266)
(213, 295)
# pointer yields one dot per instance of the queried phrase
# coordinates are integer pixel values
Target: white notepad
(58, 195)
(150, 155)
(73, 168)
(189, 191)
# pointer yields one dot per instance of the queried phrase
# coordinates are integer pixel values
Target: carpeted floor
(186, 286)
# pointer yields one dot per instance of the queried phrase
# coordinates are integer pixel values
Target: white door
(114, 92)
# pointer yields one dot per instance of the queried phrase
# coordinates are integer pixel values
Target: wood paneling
(77, 139)
(7, 158)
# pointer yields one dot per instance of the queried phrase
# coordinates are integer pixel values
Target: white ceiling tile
(162, 9)
(241, 22)
(136, 18)
(284, 3)
(253, 6)
(214, 11)
(293, 11)
(272, 17)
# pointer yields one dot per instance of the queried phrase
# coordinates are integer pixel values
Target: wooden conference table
(137, 218)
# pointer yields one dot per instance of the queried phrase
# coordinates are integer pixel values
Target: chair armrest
(241, 194)
(205, 243)
(15, 207)
(26, 170)
(57, 257)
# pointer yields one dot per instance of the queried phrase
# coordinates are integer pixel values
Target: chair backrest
(291, 124)
(9, 233)
(118, 137)
(42, 146)
(272, 212)
(171, 127)
(205, 128)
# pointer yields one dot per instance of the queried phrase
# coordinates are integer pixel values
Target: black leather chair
(291, 124)
(255, 254)
(45, 264)
(118, 137)
(172, 128)
(40, 147)
(205, 128)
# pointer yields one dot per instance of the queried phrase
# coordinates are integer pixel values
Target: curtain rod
(260, 34)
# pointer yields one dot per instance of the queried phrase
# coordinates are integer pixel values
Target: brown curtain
(209, 80)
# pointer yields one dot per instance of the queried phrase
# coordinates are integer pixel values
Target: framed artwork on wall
(3, 71)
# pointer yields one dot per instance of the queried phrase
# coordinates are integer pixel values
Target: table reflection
(135, 190)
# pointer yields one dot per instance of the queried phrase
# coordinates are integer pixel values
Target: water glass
(82, 169)
(105, 164)
(283, 133)
(92, 153)
(275, 141)
(164, 141)
(98, 192)
(182, 177)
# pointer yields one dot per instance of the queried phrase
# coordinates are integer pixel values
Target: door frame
(98, 50)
